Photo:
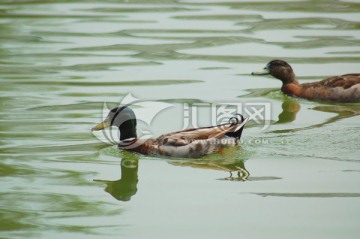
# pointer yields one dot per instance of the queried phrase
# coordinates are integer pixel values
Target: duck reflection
(231, 166)
(124, 188)
(227, 161)
(290, 107)
(342, 111)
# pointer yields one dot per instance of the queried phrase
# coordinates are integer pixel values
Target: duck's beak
(264, 71)
(106, 123)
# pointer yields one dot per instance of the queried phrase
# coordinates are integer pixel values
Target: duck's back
(344, 88)
(191, 143)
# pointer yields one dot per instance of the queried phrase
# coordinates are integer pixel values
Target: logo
(220, 113)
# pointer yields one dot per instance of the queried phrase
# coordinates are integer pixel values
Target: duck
(188, 143)
(342, 89)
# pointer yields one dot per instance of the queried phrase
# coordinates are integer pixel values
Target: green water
(295, 175)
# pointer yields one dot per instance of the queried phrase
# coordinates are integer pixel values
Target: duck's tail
(238, 121)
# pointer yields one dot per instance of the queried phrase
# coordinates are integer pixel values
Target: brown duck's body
(344, 88)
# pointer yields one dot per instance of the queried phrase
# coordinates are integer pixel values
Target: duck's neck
(290, 85)
(129, 170)
(285, 74)
(128, 130)
(289, 78)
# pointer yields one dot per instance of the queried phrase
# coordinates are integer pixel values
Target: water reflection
(231, 160)
(60, 59)
(341, 111)
(290, 108)
(125, 187)
(229, 165)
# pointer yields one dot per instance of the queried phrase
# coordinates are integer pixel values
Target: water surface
(295, 175)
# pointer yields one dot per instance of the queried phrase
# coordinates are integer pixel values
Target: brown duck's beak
(106, 123)
(263, 71)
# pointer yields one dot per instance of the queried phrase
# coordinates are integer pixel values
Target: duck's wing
(185, 137)
(344, 88)
(194, 149)
(343, 81)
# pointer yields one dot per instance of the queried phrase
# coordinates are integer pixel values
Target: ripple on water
(61, 61)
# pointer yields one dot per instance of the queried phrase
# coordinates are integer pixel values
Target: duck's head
(122, 117)
(279, 69)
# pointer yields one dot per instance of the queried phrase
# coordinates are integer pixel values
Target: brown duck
(344, 88)
(189, 143)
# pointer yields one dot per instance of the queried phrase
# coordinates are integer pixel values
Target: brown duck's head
(279, 69)
(122, 117)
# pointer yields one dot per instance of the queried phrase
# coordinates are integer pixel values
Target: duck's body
(344, 88)
(190, 143)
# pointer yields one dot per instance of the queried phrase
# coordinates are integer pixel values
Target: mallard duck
(189, 143)
(344, 88)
